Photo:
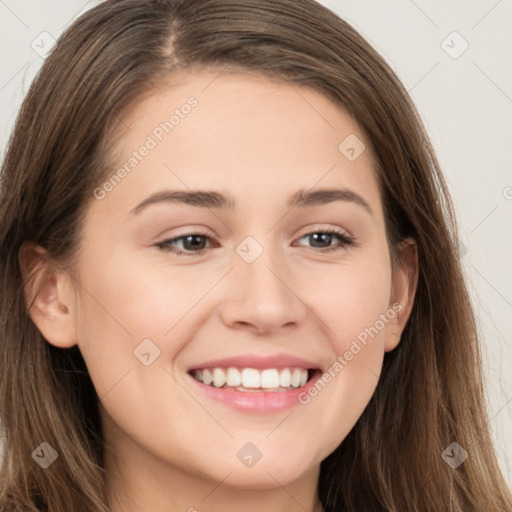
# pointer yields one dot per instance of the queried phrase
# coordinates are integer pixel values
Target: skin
(168, 446)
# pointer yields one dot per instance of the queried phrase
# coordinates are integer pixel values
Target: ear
(404, 283)
(48, 296)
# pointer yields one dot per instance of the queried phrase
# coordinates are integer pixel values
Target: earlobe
(405, 281)
(47, 296)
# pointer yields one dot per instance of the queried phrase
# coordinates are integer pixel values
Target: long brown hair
(430, 391)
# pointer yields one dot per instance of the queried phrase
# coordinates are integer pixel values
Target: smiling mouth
(249, 380)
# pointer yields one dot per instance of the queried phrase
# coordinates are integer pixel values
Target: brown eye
(190, 243)
(323, 239)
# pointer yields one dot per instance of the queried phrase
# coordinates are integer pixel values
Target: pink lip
(259, 401)
(258, 362)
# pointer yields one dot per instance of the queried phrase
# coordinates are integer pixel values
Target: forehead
(240, 132)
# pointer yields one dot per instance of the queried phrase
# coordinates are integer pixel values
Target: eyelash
(346, 241)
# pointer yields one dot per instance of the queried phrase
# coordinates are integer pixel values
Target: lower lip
(257, 401)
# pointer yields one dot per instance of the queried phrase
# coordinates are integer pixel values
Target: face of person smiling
(261, 277)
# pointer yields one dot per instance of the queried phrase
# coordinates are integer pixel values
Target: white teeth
(285, 378)
(251, 378)
(207, 376)
(296, 378)
(269, 379)
(233, 377)
(219, 377)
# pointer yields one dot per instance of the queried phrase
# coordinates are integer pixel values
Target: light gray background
(465, 102)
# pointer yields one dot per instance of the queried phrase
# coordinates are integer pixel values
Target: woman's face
(238, 162)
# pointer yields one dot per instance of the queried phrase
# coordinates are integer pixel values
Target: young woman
(230, 277)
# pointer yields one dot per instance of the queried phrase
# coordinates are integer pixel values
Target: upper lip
(258, 362)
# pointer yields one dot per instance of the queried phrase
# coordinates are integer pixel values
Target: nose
(261, 295)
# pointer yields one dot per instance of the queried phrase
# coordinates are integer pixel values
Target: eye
(326, 237)
(192, 243)
(195, 243)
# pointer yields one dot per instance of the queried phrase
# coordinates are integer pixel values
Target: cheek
(349, 298)
(353, 302)
(138, 300)
(359, 324)
(125, 302)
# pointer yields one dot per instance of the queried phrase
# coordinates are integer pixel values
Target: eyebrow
(211, 199)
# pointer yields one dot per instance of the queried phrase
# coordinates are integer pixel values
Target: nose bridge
(262, 285)
(260, 263)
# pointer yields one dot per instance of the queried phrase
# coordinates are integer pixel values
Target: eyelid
(187, 231)
(322, 228)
